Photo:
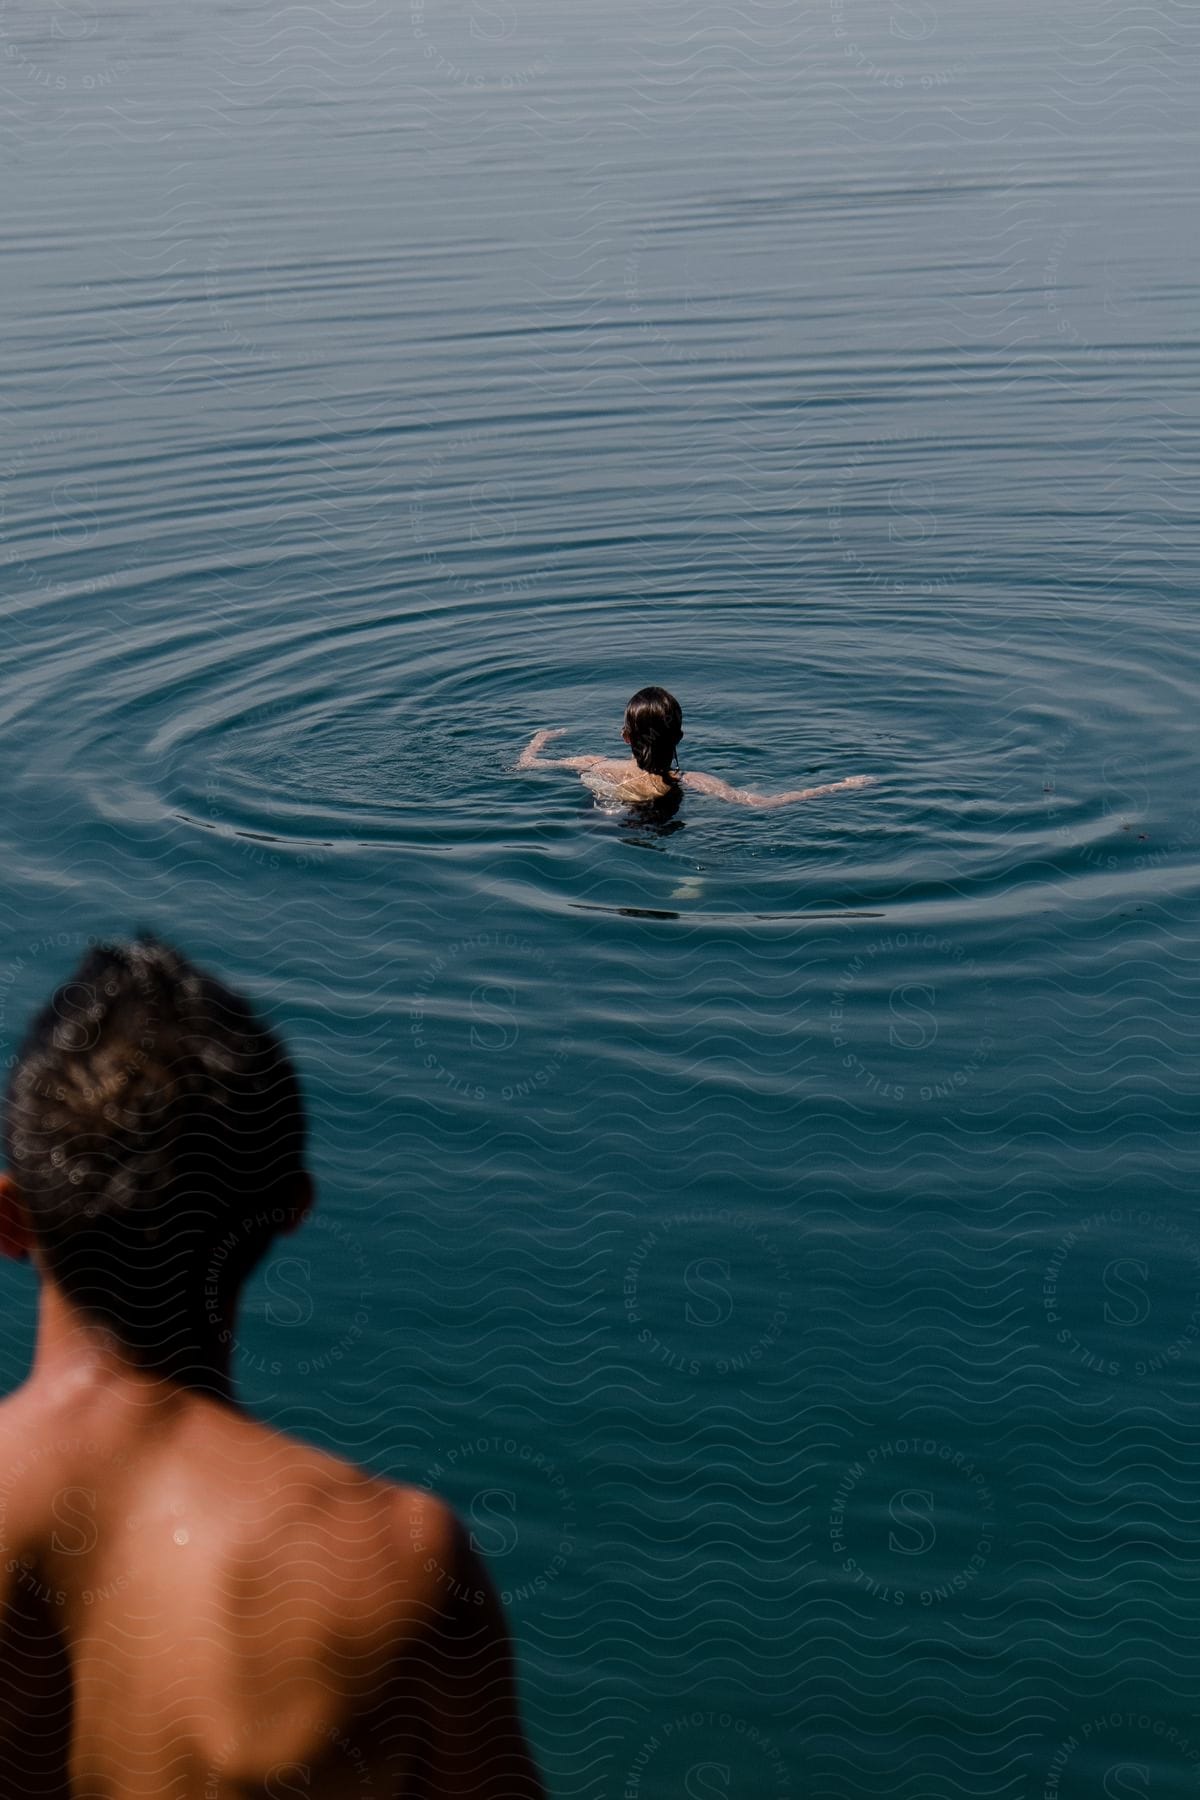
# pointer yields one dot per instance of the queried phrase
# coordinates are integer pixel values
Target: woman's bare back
(622, 781)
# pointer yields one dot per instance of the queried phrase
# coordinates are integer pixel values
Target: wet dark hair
(151, 1122)
(654, 721)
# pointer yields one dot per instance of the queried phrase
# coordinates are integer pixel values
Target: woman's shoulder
(616, 780)
(606, 768)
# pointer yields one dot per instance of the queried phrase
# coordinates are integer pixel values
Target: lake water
(777, 1234)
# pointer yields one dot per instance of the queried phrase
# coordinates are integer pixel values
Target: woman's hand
(538, 742)
(813, 793)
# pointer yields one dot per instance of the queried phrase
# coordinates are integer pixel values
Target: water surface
(777, 1233)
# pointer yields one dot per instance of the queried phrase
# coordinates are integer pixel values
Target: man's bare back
(195, 1607)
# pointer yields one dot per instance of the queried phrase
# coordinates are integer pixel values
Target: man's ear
(15, 1235)
(301, 1203)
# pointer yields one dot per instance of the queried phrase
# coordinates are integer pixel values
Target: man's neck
(76, 1352)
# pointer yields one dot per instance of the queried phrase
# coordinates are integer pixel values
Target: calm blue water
(777, 1235)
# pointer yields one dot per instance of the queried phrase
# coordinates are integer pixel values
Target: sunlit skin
(196, 1607)
(629, 782)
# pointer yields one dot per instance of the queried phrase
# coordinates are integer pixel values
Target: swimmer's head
(154, 1131)
(653, 728)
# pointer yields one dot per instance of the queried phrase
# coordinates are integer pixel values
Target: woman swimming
(653, 727)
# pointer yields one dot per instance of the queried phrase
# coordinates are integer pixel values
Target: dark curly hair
(151, 1118)
(654, 724)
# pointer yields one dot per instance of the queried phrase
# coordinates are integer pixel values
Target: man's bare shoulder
(18, 1414)
(386, 1538)
(226, 1560)
(35, 1459)
(274, 1518)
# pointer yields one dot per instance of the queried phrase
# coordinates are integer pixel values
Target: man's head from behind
(154, 1133)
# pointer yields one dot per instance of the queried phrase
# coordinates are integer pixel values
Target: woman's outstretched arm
(531, 756)
(721, 790)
